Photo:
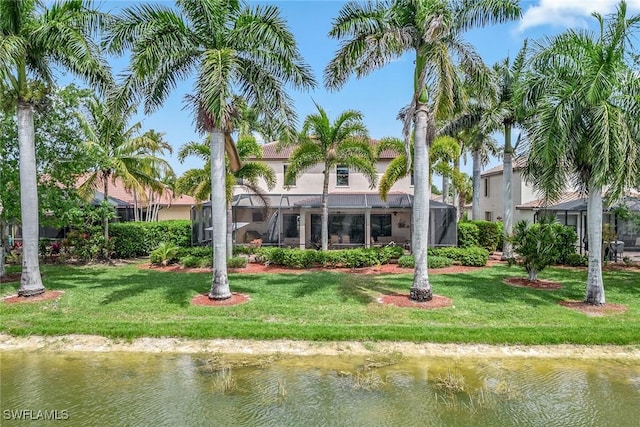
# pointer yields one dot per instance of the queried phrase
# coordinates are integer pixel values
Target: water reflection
(188, 390)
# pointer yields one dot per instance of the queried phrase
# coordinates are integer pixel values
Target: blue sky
(380, 95)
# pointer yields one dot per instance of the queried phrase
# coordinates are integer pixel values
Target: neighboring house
(357, 215)
(570, 209)
(159, 207)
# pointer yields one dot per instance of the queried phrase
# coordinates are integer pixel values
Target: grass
(129, 302)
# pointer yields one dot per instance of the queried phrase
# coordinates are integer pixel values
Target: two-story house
(358, 217)
(570, 209)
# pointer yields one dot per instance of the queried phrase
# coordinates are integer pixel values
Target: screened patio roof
(342, 201)
(632, 204)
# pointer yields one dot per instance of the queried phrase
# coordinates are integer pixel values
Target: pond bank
(91, 343)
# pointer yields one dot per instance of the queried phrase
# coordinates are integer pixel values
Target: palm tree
(197, 182)
(343, 142)
(33, 39)
(375, 34)
(509, 76)
(121, 153)
(586, 127)
(232, 48)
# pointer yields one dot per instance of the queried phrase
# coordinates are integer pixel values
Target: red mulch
(204, 300)
(10, 277)
(594, 310)
(45, 296)
(255, 268)
(402, 300)
(523, 282)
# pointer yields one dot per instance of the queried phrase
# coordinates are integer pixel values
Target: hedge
(407, 261)
(473, 256)
(467, 234)
(133, 239)
(305, 258)
(488, 234)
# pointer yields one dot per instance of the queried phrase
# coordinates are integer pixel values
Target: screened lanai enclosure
(355, 220)
(626, 230)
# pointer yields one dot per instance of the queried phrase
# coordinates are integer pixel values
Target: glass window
(288, 183)
(345, 228)
(291, 225)
(486, 187)
(342, 175)
(257, 217)
(380, 226)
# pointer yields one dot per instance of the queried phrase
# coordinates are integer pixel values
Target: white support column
(303, 228)
(367, 228)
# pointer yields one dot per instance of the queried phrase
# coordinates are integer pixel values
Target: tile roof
(543, 203)
(518, 163)
(118, 192)
(270, 151)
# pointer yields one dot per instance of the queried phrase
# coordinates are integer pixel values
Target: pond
(138, 389)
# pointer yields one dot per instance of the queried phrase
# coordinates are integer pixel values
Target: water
(134, 389)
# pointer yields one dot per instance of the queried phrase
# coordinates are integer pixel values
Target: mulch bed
(45, 296)
(204, 300)
(523, 282)
(10, 277)
(402, 300)
(255, 268)
(594, 310)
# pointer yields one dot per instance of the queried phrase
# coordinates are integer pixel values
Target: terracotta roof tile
(117, 191)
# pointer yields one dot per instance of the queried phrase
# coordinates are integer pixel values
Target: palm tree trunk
(2, 257)
(135, 205)
(456, 195)
(105, 219)
(423, 136)
(507, 185)
(30, 281)
(229, 231)
(445, 189)
(325, 209)
(595, 286)
(475, 208)
(220, 284)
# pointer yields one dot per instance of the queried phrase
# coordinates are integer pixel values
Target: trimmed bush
(488, 234)
(500, 245)
(439, 262)
(565, 242)
(190, 261)
(472, 257)
(133, 239)
(467, 234)
(406, 261)
(577, 260)
(237, 262)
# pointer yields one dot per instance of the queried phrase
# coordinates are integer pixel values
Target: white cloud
(569, 13)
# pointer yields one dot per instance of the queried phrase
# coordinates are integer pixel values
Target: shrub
(565, 241)
(133, 239)
(472, 257)
(237, 262)
(406, 261)
(164, 254)
(467, 234)
(438, 262)
(577, 260)
(500, 243)
(190, 261)
(196, 251)
(488, 234)
(244, 250)
(536, 245)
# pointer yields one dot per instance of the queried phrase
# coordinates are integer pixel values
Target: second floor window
(342, 175)
(290, 182)
(486, 187)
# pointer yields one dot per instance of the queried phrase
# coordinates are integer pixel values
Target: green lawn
(131, 302)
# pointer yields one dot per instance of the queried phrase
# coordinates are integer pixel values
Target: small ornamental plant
(536, 245)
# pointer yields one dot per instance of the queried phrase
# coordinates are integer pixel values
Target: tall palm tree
(509, 75)
(230, 47)
(375, 34)
(197, 182)
(343, 142)
(34, 38)
(121, 152)
(586, 128)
